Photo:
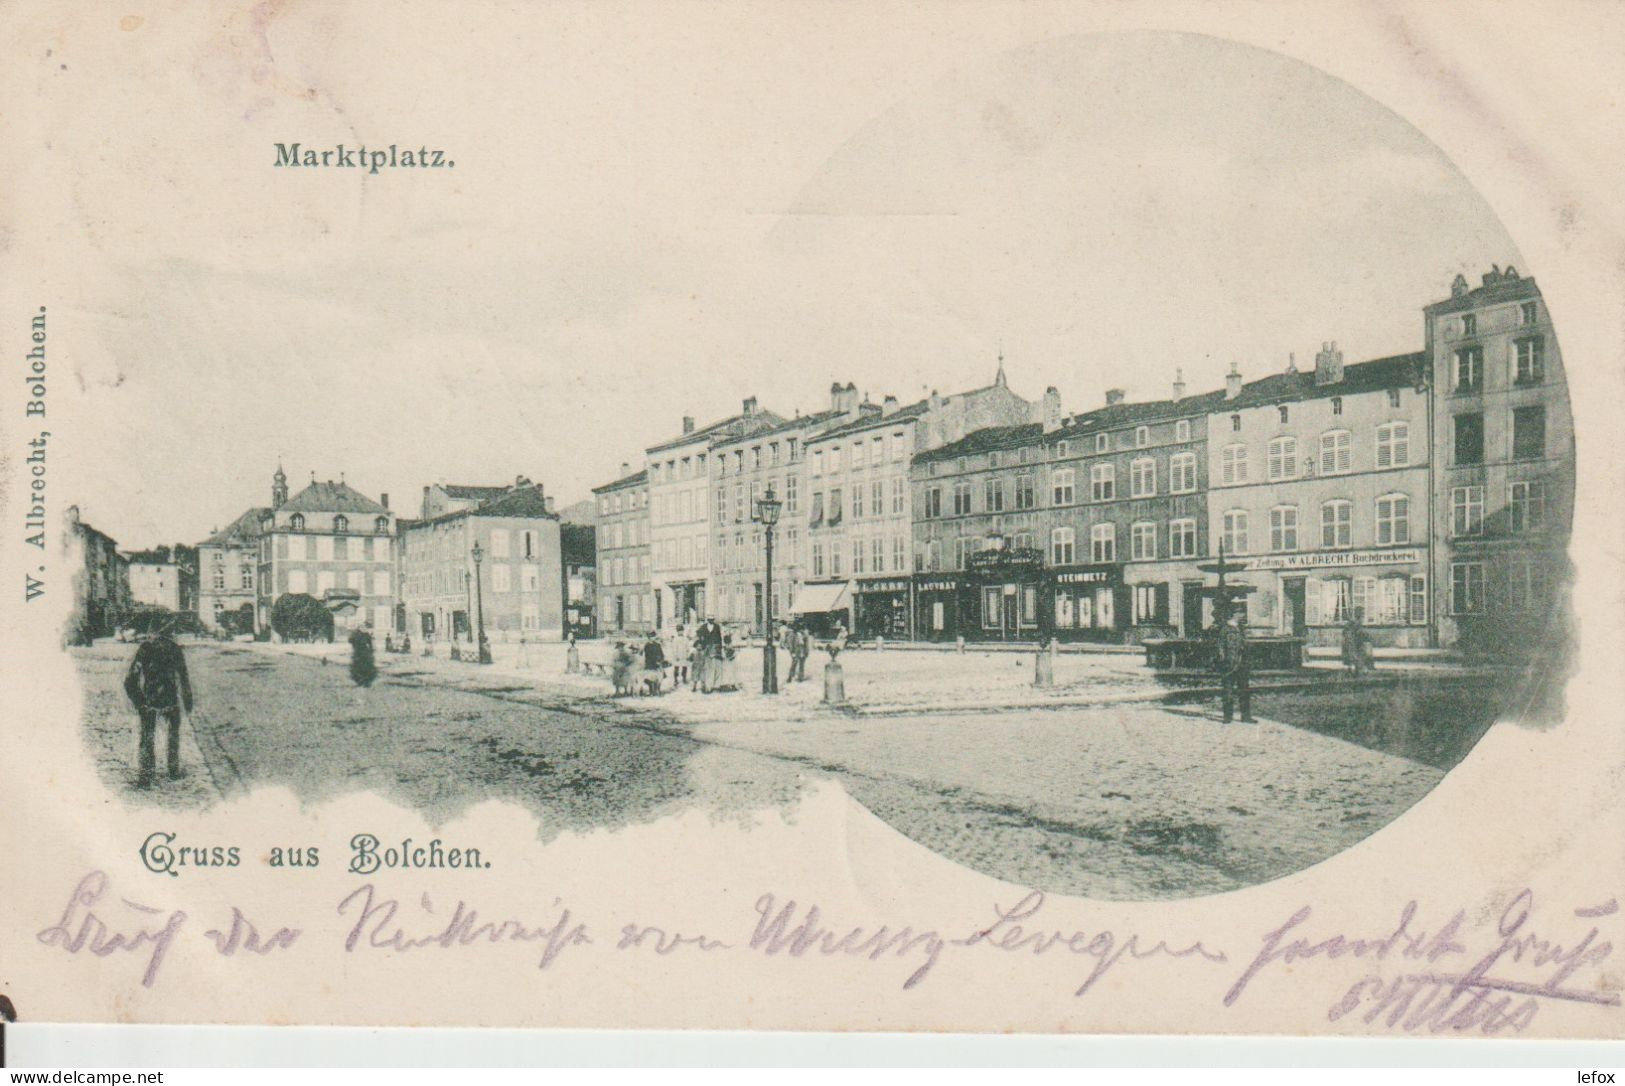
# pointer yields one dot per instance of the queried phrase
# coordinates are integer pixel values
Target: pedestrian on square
(1355, 646)
(800, 647)
(681, 650)
(1234, 666)
(654, 664)
(709, 645)
(621, 668)
(156, 683)
(363, 667)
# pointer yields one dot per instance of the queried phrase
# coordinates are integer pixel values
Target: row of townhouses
(1426, 495)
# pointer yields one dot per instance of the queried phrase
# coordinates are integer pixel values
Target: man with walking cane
(157, 683)
(1234, 665)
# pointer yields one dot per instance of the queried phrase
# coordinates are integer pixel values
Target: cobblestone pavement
(1124, 801)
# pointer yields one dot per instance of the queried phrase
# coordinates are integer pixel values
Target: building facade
(1318, 490)
(860, 520)
(517, 586)
(1503, 491)
(154, 583)
(680, 484)
(625, 598)
(101, 585)
(333, 543)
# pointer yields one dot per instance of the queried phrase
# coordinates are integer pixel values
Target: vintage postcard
(949, 517)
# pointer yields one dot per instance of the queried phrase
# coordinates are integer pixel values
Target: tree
(299, 617)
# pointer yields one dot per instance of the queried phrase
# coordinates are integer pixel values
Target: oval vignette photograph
(1138, 466)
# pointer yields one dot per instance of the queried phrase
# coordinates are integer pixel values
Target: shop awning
(815, 598)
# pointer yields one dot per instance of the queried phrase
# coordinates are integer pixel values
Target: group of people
(706, 661)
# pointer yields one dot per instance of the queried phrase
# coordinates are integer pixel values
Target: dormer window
(1284, 413)
(1469, 324)
(297, 522)
(341, 524)
(1142, 436)
(381, 525)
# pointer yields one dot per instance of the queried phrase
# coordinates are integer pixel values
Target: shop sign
(940, 585)
(882, 586)
(1083, 576)
(1333, 559)
(1017, 557)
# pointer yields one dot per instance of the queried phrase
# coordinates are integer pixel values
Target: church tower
(279, 488)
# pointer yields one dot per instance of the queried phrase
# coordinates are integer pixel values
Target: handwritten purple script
(1440, 976)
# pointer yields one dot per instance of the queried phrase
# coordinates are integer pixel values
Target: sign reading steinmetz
(1333, 558)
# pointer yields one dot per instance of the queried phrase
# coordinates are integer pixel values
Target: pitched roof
(524, 501)
(635, 479)
(1496, 289)
(331, 497)
(245, 529)
(870, 422)
(721, 428)
(476, 493)
(1396, 371)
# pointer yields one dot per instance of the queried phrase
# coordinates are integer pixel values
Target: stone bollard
(1044, 665)
(572, 659)
(834, 683)
(959, 644)
(880, 643)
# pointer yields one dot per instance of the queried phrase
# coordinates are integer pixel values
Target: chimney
(383, 500)
(1052, 410)
(1329, 364)
(688, 424)
(1179, 385)
(547, 504)
(626, 469)
(835, 391)
(888, 406)
(1114, 396)
(1232, 383)
(1292, 361)
(749, 406)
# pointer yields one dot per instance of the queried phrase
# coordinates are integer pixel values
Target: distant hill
(584, 511)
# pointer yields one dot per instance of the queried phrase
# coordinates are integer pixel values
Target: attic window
(297, 522)
(1102, 442)
(1283, 413)
(1060, 450)
(1142, 436)
(381, 525)
(341, 524)
(1337, 405)
(1235, 424)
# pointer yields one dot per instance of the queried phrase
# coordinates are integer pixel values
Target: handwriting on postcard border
(1449, 976)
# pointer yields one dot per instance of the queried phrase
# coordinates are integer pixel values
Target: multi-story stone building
(331, 542)
(1086, 528)
(679, 512)
(101, 585)
(1503, 483)
(155, 583)
(625, 598)
(1318, 489)
(518, 583)
(228, 564)
(860, 537)
(746, 468)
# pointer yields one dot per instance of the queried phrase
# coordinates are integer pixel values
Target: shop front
(1314, 595)
(688, 605)
(880, 607)
(937, 605)
(1090, 603)
(821, 607)
(1165, 600)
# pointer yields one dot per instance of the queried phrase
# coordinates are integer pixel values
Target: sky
(660, 225)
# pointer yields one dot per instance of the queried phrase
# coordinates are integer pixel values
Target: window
(341, 524)
(1528, 433)
(817, 556)
(1336, 599)
(857, 501)
(992, 608)
(1182, 430)
(499, 543)
(835, 507)
(1143, 541)
(1419, 599)
(857, 556)
(1469, 324)
(220, 575)
(1235, 424)
(1284, 528)
(1062, 450)
(1393, 397)
(1234, 539)
(1283, 458)
(722, 505)
(1526, 587)
(1103, 442)
(381, 525)
(1022, 541)
(993, 496)
(1526, 505)
(1470, 438)
(792, 489)
(1151, 603)
(1102, 482)
(1142, 436)
(1530, 360)
(898, 445)
(899, 495)
(960, 465)
(1466, 588)
(500, 578)
(961, 499)
(818, 462)
(897, 554)
(1062, 546)
(1469, 369)
(933, 502)
(1393, 445)
(1467, 510)
(1142, 475)
(877, 554)
(1335, 452)
(993, 459)
(1285, 415)
(246, 577)
(297, 522)
(1233, 464)
(860, 455)
(1061, 489)
(961, 547)
(877, 498)
(1336, 524)
(835, 559)
(933, 555)
(1393, 519)
(1337, 405)
(1103, 543)
(1182, 473)
(1528, 314)
(1026, 497)
(1182, 538)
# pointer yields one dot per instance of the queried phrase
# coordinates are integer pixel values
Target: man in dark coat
(708, 642)
(363, 666)
(1234, 666)
(156, 683)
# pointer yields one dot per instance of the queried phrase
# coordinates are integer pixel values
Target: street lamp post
(767, 513)
(479, 605)
(997, 540)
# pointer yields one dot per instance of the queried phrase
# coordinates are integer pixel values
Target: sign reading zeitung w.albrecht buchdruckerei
(1344, 559)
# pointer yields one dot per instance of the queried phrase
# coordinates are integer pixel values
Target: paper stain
(131, 22)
